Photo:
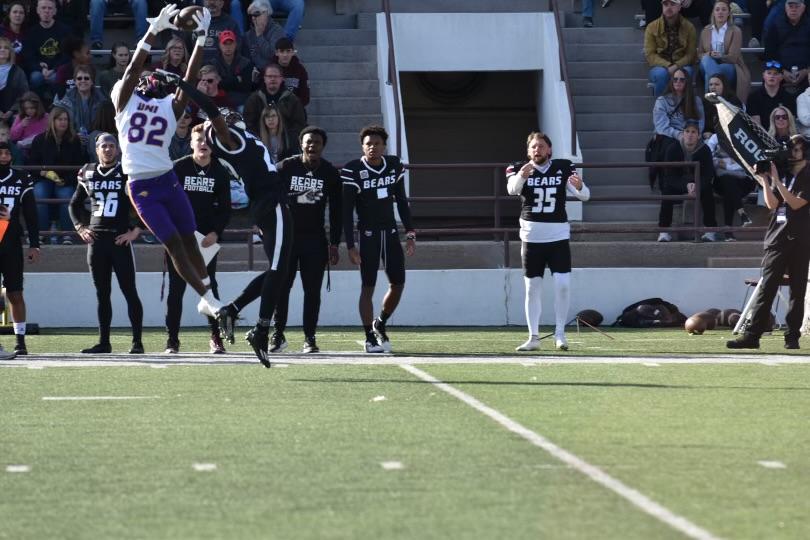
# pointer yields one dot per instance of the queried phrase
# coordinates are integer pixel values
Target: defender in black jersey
(543, 185)
(207, 183)
(16, 199)
(109, 230)
(372, 185)
(246, 154)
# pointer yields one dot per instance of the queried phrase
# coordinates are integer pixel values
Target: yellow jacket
(655, 42)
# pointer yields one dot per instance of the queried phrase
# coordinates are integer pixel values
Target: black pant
(310, 255)
(676, 186)
(791, 258)
(104, 257)
(759, 11)
(174, 300)
(733, 189)
(277, 234)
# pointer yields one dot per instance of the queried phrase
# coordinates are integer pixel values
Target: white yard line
(18, 468)
(596, 474)
(392, 465)
(772, 464)
(204, 467)
(95, 398)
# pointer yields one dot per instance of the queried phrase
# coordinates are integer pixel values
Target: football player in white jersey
(146, 115)
(543, 185)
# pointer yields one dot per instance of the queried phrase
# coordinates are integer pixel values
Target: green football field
(651, 434)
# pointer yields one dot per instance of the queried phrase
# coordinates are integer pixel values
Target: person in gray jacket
(259, 43)
(82, 101)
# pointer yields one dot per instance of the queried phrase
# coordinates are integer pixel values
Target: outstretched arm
(130, 78)
(195, 62)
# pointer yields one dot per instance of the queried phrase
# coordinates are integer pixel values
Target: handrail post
(506, 262)
(696, 174)
(497, 209)
(250, 250)
(392, 75)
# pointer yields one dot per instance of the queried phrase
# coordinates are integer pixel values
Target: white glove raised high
(164, 20)
(203, 22)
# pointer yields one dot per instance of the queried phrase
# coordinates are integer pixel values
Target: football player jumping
(146, 116)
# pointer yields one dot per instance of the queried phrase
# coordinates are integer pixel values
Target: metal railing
(564, 74)
(393, 80)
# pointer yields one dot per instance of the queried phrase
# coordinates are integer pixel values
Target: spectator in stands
(30, 122)
(678, 105)
(689, 9)
(13, 82)
(295, 74)
(718, 85)
(670, 43)
(209, 85)
(719, 50)
(14, 27)
(59, 145)
(16, 153)
(764, 100)
(274, 92)
(104, 122)
(803, 112)
(119, 60)
(783, 124)
(181, 140)
(98, 10)
(79, 54)
(73, 14)
(274, 136)
(732, 183)
(175, 57)
(43, 48)
(679, 181)
(295, 15)
(235, 70)
(82, 102)
(787, 39)
(260, 41)
(220, 21)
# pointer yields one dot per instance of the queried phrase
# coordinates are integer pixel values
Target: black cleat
(309, 345)
(137, 348)
(172, 346)
(745, 341)
(790, 343)
(278, 342)
(378, 327)
(98, 348)
(259, 339)
(372, 345)
(226, 318)
(215, 346)
(21, 350)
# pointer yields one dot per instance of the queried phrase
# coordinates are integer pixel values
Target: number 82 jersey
(145, 129)
(543, 194)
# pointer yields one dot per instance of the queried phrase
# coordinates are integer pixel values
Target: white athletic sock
(207, 281)
(213, 302)
(562, 301)
(534, 304)
(19, 328)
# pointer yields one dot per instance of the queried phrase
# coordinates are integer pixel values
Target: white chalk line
(392, 465)
(204, 467)
(772, 464)
(596, 474)
(95, 398)
(18, 468)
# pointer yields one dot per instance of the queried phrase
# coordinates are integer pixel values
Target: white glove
(311, 196)
(203, 22)
(164, 20)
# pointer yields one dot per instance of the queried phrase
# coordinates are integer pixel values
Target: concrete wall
(432, 297)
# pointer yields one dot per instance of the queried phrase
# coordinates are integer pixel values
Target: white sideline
(596, 474)
(95, 398)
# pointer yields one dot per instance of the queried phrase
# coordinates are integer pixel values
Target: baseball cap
(225, 35)
(102, 138)
(795, 2)
(773, 64)
(676, 2)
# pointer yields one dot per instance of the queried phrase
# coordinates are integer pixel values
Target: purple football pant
(163, 206)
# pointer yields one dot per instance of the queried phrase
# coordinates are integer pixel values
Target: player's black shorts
(381, 245)
(11, 268)
(537, 255)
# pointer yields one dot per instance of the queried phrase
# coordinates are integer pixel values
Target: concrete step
(608, 70)
(617, 177)
(621, 211)
(607, 36)
(614, 104)
(454, 6)
(616, 52)
(345, 88)
(344, 143)
(317, 21)
(343, 70)
(339, 105)
(613, 155)
(367, 21)
(614, 139)
(615, 121)
(345, 122)
(735, 262)
(335, 36)
(610, 87)
(338, 53)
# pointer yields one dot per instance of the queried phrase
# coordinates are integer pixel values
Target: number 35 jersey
(109, 203)
(145, 129)
(543, 195)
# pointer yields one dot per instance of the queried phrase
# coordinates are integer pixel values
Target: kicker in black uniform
(372, 185)
(109, 230)
(16, 199)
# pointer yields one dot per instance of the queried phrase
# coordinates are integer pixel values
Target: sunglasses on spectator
(679, 79)
(257, 14)
(780, 117)
(773, 64)
(85, 78)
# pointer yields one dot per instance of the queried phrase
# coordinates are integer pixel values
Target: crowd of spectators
(54, 100)
(673, 52)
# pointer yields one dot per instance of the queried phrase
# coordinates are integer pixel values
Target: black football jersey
(17, 194)
(543, 195)
(209, 191)
(110, 208)
(373, 192)
(252, 162)
(308, 191)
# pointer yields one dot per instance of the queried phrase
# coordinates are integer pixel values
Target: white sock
(207, 281)
(562, 301)
(213, 302)
(534, 304)
(19, 328)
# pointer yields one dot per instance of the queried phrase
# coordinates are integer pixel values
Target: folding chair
(745, 316)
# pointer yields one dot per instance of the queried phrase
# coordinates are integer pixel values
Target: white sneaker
(664, 237)
(7, 355)
(754, 43)
(532, 344)
(561, 343)
(209, 309)
(709, 237)
(256, 239)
